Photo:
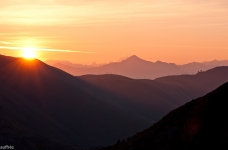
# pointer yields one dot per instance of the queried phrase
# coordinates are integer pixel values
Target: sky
(86, 31)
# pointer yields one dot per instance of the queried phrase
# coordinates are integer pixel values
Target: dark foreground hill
(152, 99)
(14, 136)
(201, 124)
(59, 106)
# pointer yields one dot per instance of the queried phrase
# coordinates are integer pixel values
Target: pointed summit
(133, 58)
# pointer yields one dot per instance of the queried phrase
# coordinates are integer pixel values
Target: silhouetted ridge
(62, 107)
(5, 60)
(152, 99)
(199, 124)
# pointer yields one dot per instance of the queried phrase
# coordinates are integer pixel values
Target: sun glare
(29, 53)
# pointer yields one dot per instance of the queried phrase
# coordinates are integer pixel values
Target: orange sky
(86, 31)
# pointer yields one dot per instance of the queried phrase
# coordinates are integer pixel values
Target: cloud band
(42, 49)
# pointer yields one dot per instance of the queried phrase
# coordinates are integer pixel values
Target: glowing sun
(29, 53)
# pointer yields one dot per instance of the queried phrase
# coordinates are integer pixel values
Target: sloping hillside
(199, 124)
(55, 104)
(14, 135)
(152, 99)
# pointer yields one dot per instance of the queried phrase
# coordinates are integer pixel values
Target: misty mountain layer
(137, 68)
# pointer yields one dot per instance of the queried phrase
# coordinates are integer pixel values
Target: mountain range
(137, 68)
(152, 99)
(90, 110)
(199, 124)
(59, 106)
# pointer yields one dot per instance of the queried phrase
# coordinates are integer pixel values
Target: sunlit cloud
(77, 12)
(43, 49)
(6, 43)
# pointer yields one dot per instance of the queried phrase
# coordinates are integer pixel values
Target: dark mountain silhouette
(152, 99)
(67, 68)
(14, 135)
(199, 124)
(71, 110)
(133, 67)
(59, 106)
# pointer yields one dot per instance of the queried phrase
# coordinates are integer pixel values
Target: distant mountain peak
(133, 58)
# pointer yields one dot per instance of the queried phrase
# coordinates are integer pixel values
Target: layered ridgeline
(152, 99)
(92, 110)
(59, 106)
(137, 68)
(133, 67)
(199, 124)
